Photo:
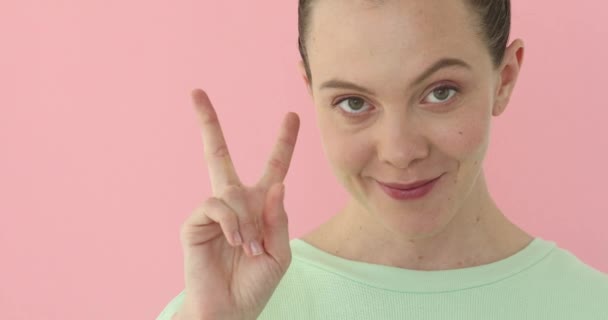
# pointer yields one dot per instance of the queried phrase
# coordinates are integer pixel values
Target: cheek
(464, 136)
(348, 152)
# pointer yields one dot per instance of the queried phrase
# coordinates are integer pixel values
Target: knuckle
(206, 204)
(287, 142)
(233, 189)
(277, 164)
(204, 213)
(223, 213)
(248, 223)
(248, 227)
(220, 152)
(233, 192)
(187, 234)
(228, 218)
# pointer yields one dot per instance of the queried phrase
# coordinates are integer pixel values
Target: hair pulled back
(494, 22)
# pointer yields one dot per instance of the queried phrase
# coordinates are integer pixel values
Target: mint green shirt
(541, 281)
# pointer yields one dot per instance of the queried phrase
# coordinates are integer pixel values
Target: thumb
(276, 231)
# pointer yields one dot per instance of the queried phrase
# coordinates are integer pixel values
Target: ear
(509, 70)
(302, 70)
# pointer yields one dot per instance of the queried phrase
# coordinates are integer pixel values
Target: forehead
(395, 36)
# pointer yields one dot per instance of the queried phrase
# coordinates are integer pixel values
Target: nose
(399, 143)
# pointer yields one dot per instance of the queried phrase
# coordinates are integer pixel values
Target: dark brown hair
(494, 22)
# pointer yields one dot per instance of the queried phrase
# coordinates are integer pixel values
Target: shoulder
(567, 263)
(563, 274)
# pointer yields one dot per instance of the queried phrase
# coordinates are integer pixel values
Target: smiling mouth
(420, 189)
(408, 186)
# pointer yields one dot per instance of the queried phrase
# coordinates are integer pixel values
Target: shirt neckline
(409, 280)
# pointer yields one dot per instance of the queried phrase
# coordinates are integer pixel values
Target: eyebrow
(440, 64)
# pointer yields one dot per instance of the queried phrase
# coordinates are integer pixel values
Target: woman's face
(404, 127)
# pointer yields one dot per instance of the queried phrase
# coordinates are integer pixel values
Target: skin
(225, 276)
(406, 133)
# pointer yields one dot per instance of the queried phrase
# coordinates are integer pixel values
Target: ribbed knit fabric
(541, 281)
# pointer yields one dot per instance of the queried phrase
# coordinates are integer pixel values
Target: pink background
(101, 157)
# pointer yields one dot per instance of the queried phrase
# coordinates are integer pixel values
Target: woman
(405, 91)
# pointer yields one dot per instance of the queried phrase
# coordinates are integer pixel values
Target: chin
(424, 216)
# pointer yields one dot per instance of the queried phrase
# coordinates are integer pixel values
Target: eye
(442, 93)
(351, 105)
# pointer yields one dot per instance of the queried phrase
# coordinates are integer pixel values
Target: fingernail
(237, 238)
(256, 249)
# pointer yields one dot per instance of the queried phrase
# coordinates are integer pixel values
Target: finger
(219, 163)
(212, 210)
(236, 198)
(276, 230)
(280, 158)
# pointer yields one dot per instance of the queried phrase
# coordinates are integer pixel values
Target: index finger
(219, 163)
(280, 159)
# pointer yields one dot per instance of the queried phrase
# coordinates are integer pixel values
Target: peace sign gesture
(236, 243)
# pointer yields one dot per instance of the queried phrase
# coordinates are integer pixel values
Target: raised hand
(236, 243)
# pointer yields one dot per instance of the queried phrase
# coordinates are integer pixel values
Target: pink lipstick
(408, 191)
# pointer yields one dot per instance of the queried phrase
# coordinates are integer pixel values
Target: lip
(407, 186)
(409, 194)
